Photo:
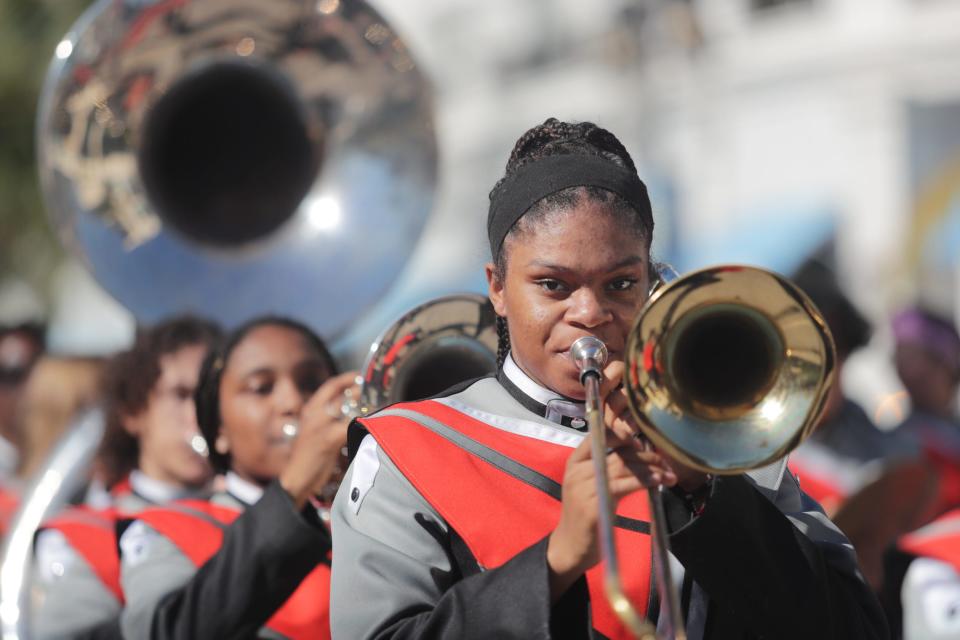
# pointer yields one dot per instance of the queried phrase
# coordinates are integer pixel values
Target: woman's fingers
(336, 386)
(612, 378)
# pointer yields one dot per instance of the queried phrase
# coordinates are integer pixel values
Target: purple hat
(936, 335)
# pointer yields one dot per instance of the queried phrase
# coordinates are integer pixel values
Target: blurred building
(800, 122)
(767, 129)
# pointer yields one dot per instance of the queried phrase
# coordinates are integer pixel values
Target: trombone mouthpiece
(590, 355)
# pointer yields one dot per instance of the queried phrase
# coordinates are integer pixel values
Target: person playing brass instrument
(253, 560)
(474, 514)
(145, 459)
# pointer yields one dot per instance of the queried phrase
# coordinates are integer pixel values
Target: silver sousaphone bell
(233, 157)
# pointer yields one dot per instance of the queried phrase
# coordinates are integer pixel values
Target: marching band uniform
(245, 563)
(77, 567)
(844, 454)
(442, 522)
(923, 587)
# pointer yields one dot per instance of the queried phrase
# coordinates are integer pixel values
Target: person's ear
(495, 290)
(133, 424)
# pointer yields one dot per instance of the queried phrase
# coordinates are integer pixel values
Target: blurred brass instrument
(727, 370)
(428, 349)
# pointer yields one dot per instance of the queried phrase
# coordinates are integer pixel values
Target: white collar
(153, 490)
(556, 405)
(243, 490)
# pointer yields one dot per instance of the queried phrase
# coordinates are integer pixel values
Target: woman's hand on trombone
(619, 419)
(573, 546)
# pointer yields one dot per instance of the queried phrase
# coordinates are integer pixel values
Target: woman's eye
(550, 286)
(260, 387)
(623, 284)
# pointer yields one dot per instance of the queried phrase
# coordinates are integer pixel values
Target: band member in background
(146, 452)
(21, 345)
(269, 406)
(928, 363)
(474, 515)
(922, 594)
(847, 450)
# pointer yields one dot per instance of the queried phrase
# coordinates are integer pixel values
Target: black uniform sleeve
(511, 601)
(766, 578)
(109, 630)
(266, 553)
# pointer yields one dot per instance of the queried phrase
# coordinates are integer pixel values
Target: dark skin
(932, 385)
(580, 273)
(274, 376)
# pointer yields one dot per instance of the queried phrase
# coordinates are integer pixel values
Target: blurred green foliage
(29, 32)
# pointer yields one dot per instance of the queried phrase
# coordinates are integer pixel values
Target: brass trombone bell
(728, 368)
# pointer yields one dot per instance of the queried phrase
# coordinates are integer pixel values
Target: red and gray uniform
(246, 563)
(846, 453)
(441, 529)
(930, 591)
(76, 564)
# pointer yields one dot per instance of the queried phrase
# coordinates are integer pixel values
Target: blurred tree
(29, 31)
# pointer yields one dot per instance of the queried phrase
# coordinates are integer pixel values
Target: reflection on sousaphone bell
(225, 156)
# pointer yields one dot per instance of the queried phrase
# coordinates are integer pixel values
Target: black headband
(534, 181)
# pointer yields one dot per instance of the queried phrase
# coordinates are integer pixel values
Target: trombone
(726, 370)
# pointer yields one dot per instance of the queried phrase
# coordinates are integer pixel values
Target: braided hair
(207, 395)
(551, 138)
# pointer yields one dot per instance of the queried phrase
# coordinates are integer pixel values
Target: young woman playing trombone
(474, 515)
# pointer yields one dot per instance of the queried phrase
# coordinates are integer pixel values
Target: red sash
(939, 540)
(9, 502)
(305, 614)
(92, 533)
(470, 494)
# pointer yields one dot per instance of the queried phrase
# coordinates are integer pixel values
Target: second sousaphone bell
(429, 349)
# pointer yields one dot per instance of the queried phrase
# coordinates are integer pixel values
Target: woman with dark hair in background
(847, 450)
(474, 515)
(927, 359)
(253, 560)
(921, 590)
(146, 459)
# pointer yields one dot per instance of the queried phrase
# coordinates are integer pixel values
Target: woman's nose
(587, 309)
(287, 397)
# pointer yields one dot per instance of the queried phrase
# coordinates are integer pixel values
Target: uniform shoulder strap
(194, 526)
(92, 534)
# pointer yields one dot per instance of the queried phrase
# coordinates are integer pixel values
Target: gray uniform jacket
(761, 561)
(68, 600)
(265, 554)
